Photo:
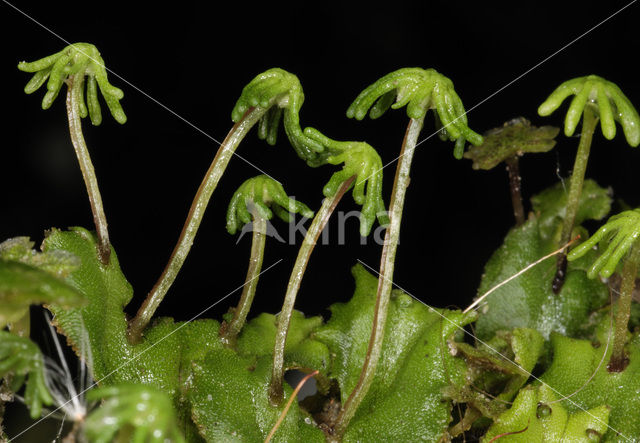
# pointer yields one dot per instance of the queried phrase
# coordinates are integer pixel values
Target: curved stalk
(589, 121)
(74, 102)
(385, 281)
(284, 318)
(229, 334)
(190, 228)
(619, 360)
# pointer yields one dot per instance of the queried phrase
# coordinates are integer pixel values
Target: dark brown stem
(284, 318)
(229, 334)
(513, 168)
(385, 280)
(619, 359)
(88, 173)
(191, 225)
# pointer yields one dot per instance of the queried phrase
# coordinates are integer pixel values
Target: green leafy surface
(527, 301)
(21, 357)
(551, 206)
(576, 361)
(142, 413)
(258, 339)
(231, 403)
(28, 277)
(532, 418)
(405, 402)
(23, 285)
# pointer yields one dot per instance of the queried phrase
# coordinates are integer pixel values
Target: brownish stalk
(619, 359)
(188, 234)
(385, 280)
(229, 332)
(88, 173)
(284, 318)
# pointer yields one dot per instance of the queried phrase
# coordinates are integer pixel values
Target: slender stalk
(190, 228)
(387, 261)
(619, 360)
(589, 121)
(229, 334)
(515, 185)
(88, 173)
(284, 318)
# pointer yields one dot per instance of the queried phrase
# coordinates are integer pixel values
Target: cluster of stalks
(277, 93)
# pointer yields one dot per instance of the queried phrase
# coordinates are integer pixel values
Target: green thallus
(620, 237)
(71, 66)
(594, 98)
(251, 203)
(132, 412)
(420, 90)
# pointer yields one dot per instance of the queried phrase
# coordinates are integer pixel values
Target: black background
(196, 58)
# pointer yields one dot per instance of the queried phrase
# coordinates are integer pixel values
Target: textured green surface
(540, 422)
(231, 403)
(515, 138)
(148, 411)
(20, 357)
(78, 58)
(405, 402)
(281, 92)
(604, 97)
(620, 233)
(28, 277)
(575, 362)
(420, 90)
(23, 285)
(262, 192)
(551, 205)
(527, 301)
(258, 339)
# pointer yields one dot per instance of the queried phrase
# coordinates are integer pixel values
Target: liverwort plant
(262, 101)
(250, 204)
(594, 98)
(621, 238)
(388, 368)
(22, 358)
(420, 90)
(71, 66)
(506, 144)
(363, 170)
